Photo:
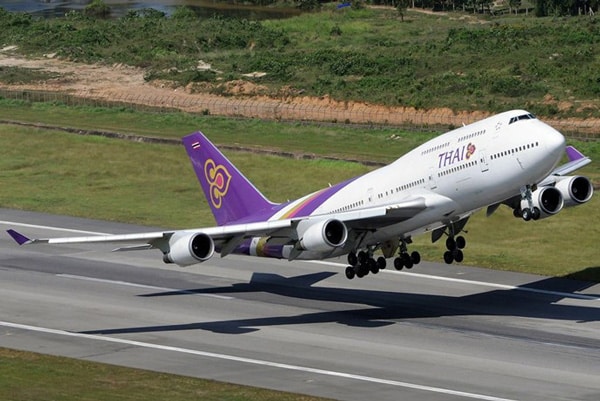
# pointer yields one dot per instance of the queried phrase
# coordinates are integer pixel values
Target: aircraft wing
(267, 228)
(576, 161)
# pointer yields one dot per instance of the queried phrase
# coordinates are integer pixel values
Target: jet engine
(189, 249)
(321, 235)
(547, 201)
(575, 190)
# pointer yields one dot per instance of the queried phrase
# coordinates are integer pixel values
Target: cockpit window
(527, 116)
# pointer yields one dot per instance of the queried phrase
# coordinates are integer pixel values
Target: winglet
(18, 237)
(573, 154)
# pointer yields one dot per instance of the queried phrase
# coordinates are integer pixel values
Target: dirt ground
(244, 98)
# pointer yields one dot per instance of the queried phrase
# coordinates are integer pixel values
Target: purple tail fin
(231, 196)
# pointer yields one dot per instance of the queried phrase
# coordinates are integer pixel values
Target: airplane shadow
(373, 308)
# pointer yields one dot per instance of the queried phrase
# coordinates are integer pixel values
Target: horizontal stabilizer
(18, 237)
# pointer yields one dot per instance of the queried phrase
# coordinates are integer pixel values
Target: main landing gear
(405, 259)
(454, 243)
(454, 248)
(527, 210)
(363, 263)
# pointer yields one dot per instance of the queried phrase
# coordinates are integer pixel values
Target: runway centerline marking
(252, 361)
(144, 286)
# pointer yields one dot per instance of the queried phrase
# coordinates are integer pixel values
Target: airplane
(507, 159)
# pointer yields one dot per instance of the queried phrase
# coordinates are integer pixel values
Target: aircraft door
(483, 161)
(432, 180)
(369, 196)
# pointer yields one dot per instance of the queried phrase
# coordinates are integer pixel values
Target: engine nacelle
(575, 190)
(189, 249)
(321, 235)
(548, 200)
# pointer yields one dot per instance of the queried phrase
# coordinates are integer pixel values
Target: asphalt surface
(435, 333)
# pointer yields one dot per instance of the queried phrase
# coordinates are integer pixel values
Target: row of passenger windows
(435, 148)
(402, 188)
(515, 150)
(349, 207)
(473, 135)
(457, 168)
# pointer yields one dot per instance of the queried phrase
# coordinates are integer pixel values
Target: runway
(437, 332)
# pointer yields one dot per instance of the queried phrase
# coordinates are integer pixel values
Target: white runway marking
(473, 282)
(70, 230)
(251, 361)
(149, 287)
(342, 266)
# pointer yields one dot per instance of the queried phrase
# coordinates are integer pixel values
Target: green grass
(154, 185)
(26, 376)
(358, 143)
(455, 60)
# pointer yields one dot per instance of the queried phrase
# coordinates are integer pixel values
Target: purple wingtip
(18, 237)
(573, 154)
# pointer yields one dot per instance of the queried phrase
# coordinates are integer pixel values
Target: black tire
(372, 265)
(461, 242)
(381, 263)
(526, 214)
(537, 213)
(398, 265)
(459, 256)
(362, 257)
(350, 273)
(352, 259)
(415, 257)
(448, 257)
(450, 244)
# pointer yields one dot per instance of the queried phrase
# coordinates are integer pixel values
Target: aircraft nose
(555, 142)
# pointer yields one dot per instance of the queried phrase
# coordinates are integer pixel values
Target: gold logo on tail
(218, 179)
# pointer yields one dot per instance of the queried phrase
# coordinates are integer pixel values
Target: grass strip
(361, 143)
(27, 376)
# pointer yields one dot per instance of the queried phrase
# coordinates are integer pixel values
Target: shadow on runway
(374, 309)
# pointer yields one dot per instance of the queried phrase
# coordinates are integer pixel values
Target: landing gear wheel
(459, 256)
(448, 257)
(352, 259)
(536, 213)
(362, 257)
(450, 244)
(407, 261)
(526, 214)
(517, 213)
(415, 257)
(372, 266)
(350, 272)
(461, 242)
(398, 265)
(381, 262)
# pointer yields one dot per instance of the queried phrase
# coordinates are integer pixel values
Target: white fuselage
(474, 166)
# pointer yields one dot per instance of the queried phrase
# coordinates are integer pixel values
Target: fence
(300, 109)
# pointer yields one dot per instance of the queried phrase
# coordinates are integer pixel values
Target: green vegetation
(25, 376)
(461, 61)
(360, 143)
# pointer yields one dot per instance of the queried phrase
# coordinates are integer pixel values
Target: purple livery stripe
(311, 203)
